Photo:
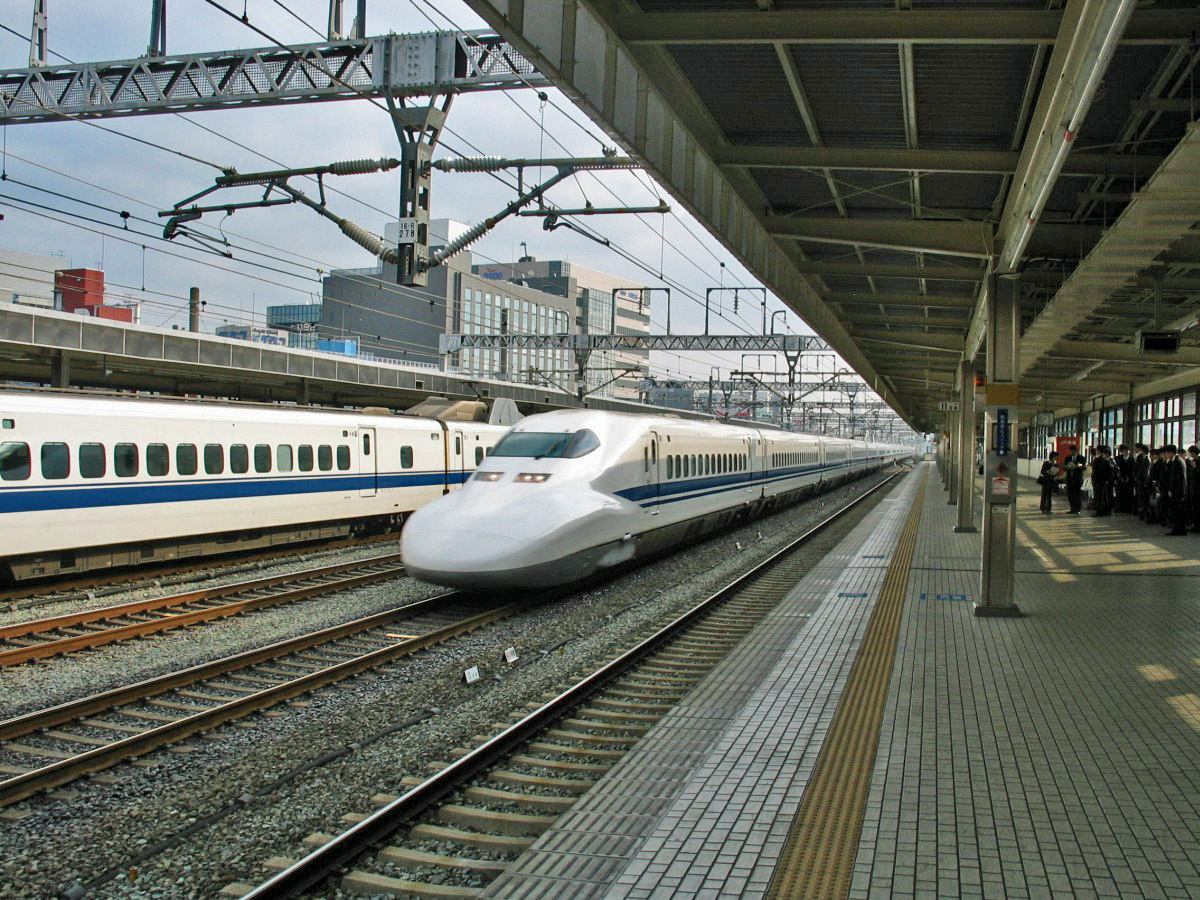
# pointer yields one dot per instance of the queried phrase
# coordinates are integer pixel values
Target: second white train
(567, 494)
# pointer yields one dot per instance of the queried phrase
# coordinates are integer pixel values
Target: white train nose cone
(450, 557)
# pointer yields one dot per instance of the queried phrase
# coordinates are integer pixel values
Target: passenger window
(654, 452)
(185, 459)
(324, 457)
(262, 457)
(158, 460)
(406, 458)
(92, 463)
(304, 458)
(14, 461)
(478, 455)
(343, 457)
(645, 459)
(457, 444)
(125, 460)
(283, 458)
(214, 459)
(239, 458)
(670, 467)
(56, 461)
(366, 445)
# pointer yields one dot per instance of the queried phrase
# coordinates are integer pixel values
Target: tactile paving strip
(818, 859)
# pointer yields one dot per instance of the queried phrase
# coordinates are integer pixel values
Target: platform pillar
(951, 453)
(60, 370)
(966, 449)
(1000, 452)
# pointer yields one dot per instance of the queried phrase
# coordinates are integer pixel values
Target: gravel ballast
(244, 793)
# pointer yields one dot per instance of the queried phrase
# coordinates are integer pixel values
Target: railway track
(41, 592)
(454, 832)
(51, 747)
(42, 638)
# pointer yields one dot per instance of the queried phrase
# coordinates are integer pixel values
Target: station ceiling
(877, 145)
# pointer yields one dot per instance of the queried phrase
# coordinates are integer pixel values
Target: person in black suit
(1194, 485)
(1074, 465)
(1141, 480)
(1124, 466)
(1157, 503)
(1102, 481)
(1175, 480)
(1046, 479)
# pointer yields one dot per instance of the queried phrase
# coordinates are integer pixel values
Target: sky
(279, 253)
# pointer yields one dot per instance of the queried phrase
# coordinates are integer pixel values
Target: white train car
(569, 493)
(95, 482)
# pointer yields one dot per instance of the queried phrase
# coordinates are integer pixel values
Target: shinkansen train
(97, 482)
(567, 494)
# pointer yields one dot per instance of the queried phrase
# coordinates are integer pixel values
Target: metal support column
(60, 370)
(951, 455)
(39, 36)
(966, 449)
(1000, 458)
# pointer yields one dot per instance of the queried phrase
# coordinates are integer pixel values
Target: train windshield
(546, 445)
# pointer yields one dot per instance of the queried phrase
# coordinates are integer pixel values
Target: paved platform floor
(1053, 755)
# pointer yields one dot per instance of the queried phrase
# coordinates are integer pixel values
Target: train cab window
(343, 457)
(239, 458)
(304, 458)
(214, 459)
(14, 461)
(366, 445)
(185, 459)
(283, 458)
(478, 455)
(125, 460)
(262, 458)
(324, 457)
(56, 461)
(91, 461)
(158, 460)
(406, 458)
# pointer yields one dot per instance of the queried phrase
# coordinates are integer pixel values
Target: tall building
(27, 278)
(392, 321)
(594, 294)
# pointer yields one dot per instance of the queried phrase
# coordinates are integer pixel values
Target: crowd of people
(1160, 485)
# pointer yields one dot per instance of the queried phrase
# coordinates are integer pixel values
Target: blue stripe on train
(718, 484)
(61, 497)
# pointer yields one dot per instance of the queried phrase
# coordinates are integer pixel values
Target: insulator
(365, 239)
(471, 164)
(362, 166)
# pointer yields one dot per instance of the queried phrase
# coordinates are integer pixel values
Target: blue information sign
(1002, 432)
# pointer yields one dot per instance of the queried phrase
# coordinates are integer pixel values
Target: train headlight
(488, 476)
(532, 477)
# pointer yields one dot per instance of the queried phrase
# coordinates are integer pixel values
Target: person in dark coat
(1102, 481)
(1157, 503)
(1141, 479)
(1194, 485)
(1074, 465)
(1124, 466)
(1046, 479)
(1175, 479)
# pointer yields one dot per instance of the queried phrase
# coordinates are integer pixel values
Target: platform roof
(860, 157)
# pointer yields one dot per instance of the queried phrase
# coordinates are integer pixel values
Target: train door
(368, 463)
(650, 474)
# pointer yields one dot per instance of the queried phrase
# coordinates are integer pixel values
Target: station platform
(874, 738)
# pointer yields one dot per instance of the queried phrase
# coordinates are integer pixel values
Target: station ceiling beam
(851, 26)
(885, 270)
(1106, 351)
(969, 162)
(766, 343)
(948, 238)
(924, 301)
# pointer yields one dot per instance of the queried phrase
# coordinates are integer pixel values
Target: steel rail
(313, 869)
(21, 786)
(18, 655)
